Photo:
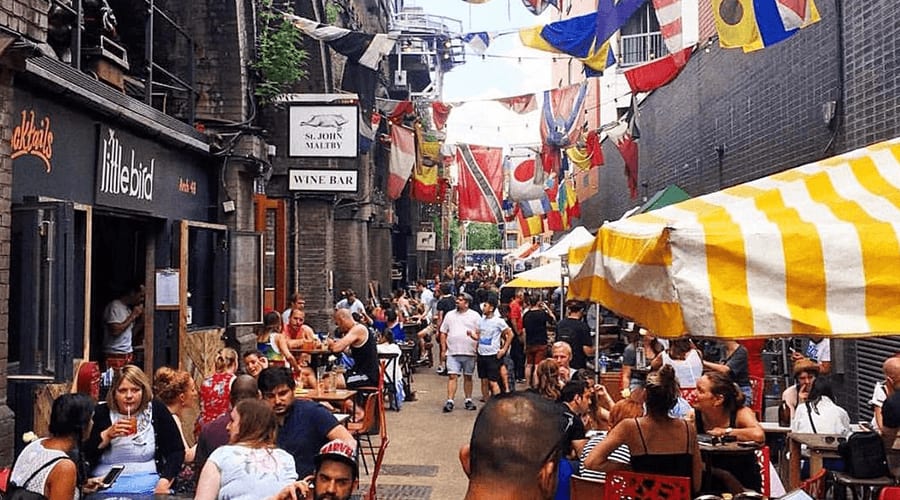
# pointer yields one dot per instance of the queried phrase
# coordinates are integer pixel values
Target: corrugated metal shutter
(870, 354)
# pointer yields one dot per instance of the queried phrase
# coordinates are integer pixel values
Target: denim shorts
(460, 364)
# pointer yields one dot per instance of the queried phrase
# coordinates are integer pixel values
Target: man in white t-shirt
(818, 350)
(494, 338)
(354, 305)
(119, 319)
(460, 327)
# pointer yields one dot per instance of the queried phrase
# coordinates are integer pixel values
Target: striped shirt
(621, 455)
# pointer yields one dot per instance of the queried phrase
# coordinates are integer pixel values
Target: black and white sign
(323, 131)
(426, 240)
(343, 181)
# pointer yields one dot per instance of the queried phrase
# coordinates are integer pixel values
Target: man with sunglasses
(501, 464)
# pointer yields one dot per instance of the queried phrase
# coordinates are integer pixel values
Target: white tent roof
(575, 238)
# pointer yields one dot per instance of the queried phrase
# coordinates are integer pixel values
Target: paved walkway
(422, 460)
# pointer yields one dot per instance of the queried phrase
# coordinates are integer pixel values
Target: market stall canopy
(522, 251)
(576, 237)
(664, 197)
(546, 276)
(814, 249)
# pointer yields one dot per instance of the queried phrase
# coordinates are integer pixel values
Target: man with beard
(336, 476)
(304, 426)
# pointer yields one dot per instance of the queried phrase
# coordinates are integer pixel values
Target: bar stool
(868, 487)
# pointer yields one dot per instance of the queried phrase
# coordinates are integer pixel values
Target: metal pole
(597, 342)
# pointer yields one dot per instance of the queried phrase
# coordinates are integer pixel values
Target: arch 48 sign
(323, 131)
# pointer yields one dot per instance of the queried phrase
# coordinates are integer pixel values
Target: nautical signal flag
(363, 48)
(480, 188)
(537, 7)
(562, 117)
(576, 36)
(402, 159)
(658, 72)
(756, 24)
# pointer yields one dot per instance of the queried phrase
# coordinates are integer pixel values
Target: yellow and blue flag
(756, 24)
(576, 36)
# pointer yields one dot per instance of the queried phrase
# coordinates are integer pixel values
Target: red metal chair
(373, 485)
(762, 458)
(622, 485)
(889, 493)
(815, 486)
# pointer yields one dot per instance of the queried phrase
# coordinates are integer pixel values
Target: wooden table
(709, 451)
(338, 396)
(318, 356)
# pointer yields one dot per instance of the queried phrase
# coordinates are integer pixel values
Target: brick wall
(319, 246)
(28, 17)
(224, 41)
(7, 419)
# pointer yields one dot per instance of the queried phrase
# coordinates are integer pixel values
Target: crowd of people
(256, 439)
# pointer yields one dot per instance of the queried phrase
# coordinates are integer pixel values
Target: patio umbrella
(811, 250)
(545, 276)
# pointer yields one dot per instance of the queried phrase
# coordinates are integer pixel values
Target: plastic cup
(132, 424)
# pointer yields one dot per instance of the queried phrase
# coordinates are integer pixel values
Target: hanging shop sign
(426, 241)
(330, 181)
(329, 130)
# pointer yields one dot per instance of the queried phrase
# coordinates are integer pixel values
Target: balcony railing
(640, 48)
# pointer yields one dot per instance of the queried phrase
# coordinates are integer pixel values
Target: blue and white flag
(363, 48)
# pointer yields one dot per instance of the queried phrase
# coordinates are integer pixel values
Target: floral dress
(215, 394)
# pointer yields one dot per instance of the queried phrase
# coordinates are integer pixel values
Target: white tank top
(32, 458)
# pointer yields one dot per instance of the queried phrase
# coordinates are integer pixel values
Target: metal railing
(640, 48)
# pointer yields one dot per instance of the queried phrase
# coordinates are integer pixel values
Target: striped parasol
(814, 249)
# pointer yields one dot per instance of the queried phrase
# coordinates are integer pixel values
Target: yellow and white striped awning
(814, 249)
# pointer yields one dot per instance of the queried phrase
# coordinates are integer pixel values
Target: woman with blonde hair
(216, 388)
(251, 466)
(133, 429)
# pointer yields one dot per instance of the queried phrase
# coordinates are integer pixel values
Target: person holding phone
(132, 429)
(51, 462)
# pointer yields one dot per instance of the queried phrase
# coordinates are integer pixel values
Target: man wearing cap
(805, 372)
(460, 327)
(336, 476)
(304, 426)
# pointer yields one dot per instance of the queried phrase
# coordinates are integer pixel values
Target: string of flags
(541, 186)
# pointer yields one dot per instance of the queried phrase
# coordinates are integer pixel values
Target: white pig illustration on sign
(328, 120)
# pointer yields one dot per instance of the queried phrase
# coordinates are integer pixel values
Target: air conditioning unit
(400, 78)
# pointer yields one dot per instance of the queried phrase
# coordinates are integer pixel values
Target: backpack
(16, 492)
(864, 456)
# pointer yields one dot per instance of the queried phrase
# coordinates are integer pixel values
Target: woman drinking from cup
(134, 430)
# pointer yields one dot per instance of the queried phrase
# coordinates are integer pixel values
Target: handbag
(16, 492)
(864, 456)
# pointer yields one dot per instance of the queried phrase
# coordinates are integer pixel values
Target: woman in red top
(215, 391)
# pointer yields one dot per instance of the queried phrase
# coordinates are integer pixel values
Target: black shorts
(489, 367)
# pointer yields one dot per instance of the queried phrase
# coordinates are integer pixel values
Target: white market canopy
(545, 276)
(814, 249)
(578, 236)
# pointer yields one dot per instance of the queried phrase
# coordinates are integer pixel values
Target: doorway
(118, 261)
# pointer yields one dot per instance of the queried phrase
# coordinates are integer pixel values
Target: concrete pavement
(422, 460)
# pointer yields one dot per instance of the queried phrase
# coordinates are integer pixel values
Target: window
(247, 278)
(640, 39)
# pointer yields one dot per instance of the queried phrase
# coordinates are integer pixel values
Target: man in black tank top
(362, 348)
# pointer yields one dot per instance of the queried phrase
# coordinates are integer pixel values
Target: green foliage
(281, 59)
(482, 236)
(332, 11)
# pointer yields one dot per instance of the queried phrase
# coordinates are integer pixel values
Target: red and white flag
(480, 189)
(403, 159)
(526, 178)
(623, 137)
(668, 13)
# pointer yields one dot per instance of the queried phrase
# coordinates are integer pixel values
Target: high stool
(868, 487)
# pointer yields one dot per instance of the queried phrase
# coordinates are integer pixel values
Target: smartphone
(111, 476)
